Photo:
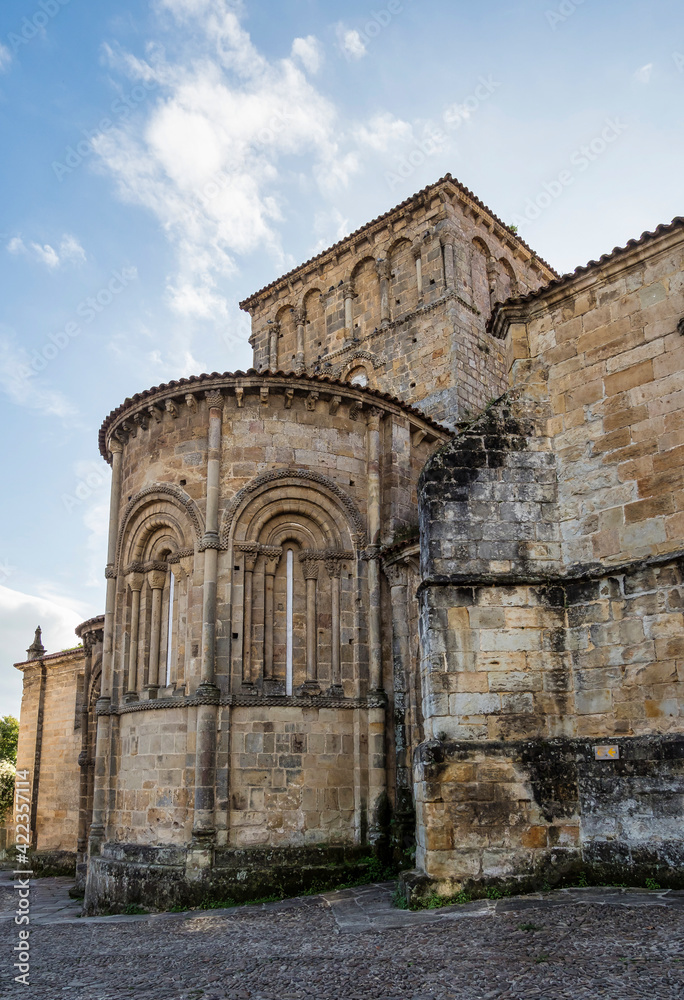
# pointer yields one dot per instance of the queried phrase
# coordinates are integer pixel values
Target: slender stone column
(447, 238)
(248, 592)
(375, 657)
(84, 764)
(417, 248)
(384, 270)
(272, 560)
(203, 829)
(334, 568)
(273, 346)
(156, 580)
(211, 542)
(97, 829)
(135, 582)
(300, 320)
(349, 296)
(492, 279)
(311, 569)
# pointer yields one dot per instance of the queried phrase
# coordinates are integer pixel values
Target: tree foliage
(9, 738)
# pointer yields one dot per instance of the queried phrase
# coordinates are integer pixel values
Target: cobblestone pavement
(352, 945)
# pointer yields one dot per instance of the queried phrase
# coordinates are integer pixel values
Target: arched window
(358, 376)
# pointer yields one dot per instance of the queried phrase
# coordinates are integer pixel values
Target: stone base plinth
(160, 878)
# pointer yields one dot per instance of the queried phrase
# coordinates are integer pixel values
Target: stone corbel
(311, 400)
(191, 402)
(240, 397)
(171, 408)
(263, 395)
(141, 420)
(156, 413)
(289, 397)
(335, 405)
(129, 428)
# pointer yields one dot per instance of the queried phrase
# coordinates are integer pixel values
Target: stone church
(410, 586)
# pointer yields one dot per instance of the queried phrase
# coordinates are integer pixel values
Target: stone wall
(402, 305)
(551, 599)
(49, 745)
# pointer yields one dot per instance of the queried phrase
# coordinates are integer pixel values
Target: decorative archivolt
(352, 361)
(280, 479)
(159, 507)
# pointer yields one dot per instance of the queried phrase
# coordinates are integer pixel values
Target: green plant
(7, 775)
(582, 881)
(652, 884)
(493, 893)
(133, 910)
(529, 927)
(399, 899)
(541, 958)
(513, 229)
(9, 738)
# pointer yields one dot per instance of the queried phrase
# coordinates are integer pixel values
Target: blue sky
(162, 159)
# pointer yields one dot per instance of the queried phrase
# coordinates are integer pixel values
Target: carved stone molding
(303, 476)
(214, 398)
(164, 491)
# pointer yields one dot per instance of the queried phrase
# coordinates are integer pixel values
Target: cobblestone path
(352, 945)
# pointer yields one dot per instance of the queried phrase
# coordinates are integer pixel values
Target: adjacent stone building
(413, 579)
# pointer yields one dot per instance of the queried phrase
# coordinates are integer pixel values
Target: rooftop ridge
(447, 178)
(565, 279)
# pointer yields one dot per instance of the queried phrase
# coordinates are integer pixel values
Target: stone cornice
(236, 385)
(593, 275)
(247, 701)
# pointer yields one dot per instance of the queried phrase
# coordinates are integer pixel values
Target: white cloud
(19, 615)
(20, 382)
(69, 251)
(350, 42)
(211, 157)
(643, 75)
(5, 58)
(384, 131)
(308, 50)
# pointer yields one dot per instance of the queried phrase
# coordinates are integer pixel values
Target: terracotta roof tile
(194, 380)
(404, 204)
(565, 279)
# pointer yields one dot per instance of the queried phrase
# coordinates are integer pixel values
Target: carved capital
(214, 398)
(110, 572)
(310, 565)
(116, 446)
(397, 574)
(384, 269)
(157, 579)
(135, 581)
(417, 248)
(348, 290)
(300, 315)
(333, 566)
(272, 555)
